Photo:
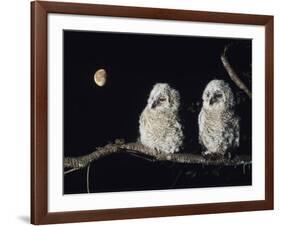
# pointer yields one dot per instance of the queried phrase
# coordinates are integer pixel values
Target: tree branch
(76, 163)
(232, 74)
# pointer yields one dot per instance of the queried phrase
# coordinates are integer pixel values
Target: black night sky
(95, 116)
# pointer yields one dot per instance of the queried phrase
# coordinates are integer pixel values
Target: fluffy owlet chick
(218, 125)
(159, 124)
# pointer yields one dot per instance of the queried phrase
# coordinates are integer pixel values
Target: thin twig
(88, 178)
(233, 75)
(71, 170)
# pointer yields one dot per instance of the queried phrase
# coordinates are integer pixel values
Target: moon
(100, 77)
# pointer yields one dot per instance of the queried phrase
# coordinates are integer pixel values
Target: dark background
(95, 116)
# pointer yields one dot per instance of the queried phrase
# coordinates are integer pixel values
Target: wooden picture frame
(39, 112)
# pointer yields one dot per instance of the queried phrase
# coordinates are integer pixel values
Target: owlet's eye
(218, 95)
(162, 99)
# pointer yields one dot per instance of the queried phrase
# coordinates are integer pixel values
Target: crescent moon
(100, 77)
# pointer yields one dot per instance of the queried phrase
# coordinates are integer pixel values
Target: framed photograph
(148, 112)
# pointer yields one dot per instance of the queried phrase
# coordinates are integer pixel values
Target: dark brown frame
(39, 107)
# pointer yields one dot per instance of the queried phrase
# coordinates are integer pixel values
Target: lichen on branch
(76, 163)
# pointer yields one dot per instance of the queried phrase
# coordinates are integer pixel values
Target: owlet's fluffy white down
(159, 124)
(219, 129)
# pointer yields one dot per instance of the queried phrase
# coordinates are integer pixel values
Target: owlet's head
(218, 95)
(163, 98)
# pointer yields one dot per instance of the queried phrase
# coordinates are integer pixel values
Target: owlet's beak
(154, 104)
(212, 101)
(215, 98)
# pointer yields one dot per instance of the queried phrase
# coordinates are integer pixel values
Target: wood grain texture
(269, 113)
(39, 99)
(39, 117)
